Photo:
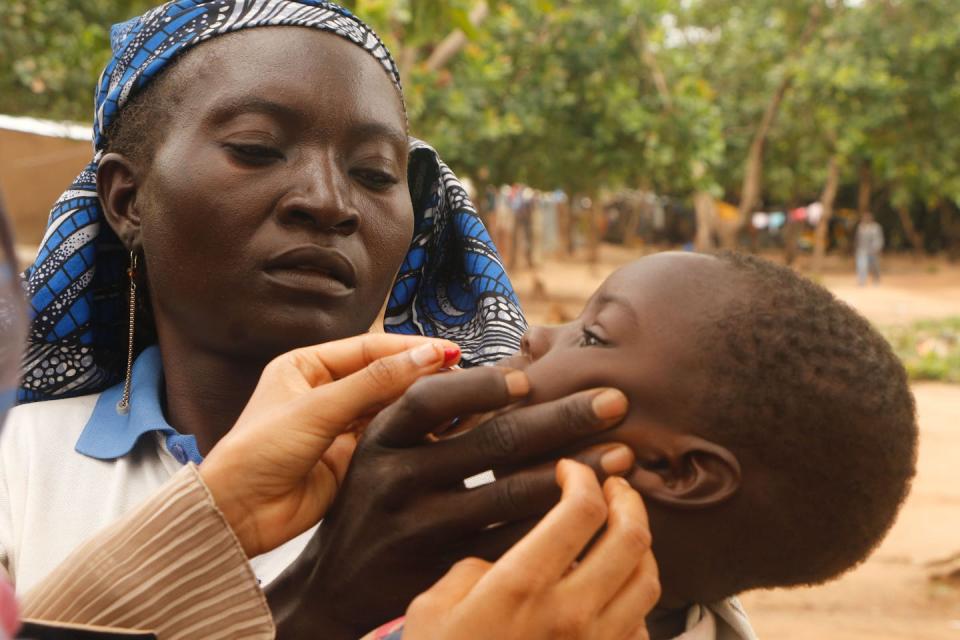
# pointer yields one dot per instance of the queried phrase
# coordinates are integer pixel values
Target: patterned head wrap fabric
(452, 283)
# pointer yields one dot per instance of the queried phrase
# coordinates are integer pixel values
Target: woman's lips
(308, 281)
(313, 269)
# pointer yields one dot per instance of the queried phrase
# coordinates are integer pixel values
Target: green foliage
(415, 23)
(51, 52)
(570, 103)
(930, 350)
(587, 95)
(878, 89)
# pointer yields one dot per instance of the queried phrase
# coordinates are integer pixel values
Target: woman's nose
(320, 198)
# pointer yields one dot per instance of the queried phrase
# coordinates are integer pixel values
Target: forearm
(297, 618)
(172, 566)
(311, 626)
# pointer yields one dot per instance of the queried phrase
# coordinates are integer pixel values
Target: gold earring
(123, 407)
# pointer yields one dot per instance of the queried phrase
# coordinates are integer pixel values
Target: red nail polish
(450, 355)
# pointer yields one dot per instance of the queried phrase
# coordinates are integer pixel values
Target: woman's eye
(376, 180)
(256, 154)
(590, 339)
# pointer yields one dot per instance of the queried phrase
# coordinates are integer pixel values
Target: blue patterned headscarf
(452, 283)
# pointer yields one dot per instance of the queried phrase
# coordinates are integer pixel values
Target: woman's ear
(117, 184)
(692, 473)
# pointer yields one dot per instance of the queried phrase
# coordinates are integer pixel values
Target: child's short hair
(809, 390)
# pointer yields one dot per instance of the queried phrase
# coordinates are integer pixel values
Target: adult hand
(276, 472)
(538, 590)
(402, 515)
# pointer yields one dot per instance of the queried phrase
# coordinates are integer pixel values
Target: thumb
(454, 586)
(331, 409)
(338, 456)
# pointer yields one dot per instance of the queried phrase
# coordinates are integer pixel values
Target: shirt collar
(109, 434)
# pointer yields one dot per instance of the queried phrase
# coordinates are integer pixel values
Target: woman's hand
(538, 590)
(403, 517)
(276, 472)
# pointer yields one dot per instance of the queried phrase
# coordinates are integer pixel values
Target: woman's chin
(271, 337)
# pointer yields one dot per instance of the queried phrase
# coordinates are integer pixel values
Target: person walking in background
(521, 204)
(547, 204)
(503, 230)
(869, 244)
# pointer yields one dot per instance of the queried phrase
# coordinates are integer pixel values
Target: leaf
(461, 19)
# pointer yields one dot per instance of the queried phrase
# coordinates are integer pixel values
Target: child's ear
(691, 473)
(117, 183)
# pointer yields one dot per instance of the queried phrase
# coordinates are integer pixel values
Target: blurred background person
(869, 245)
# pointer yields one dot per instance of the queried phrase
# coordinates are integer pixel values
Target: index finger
(334, 360)
(546, 553)
(435, 400)
(508, 439)
(612, 559)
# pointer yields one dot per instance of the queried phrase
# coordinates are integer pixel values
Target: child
(773, 426)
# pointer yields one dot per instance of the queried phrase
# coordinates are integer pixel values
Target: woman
(258, 187)
(310, 397)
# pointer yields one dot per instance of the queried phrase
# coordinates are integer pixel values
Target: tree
(753, 170)
(763, 102)
(51, 53)
(870, 89)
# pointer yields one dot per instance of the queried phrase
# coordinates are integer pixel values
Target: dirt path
(891, 596)
(902, 297)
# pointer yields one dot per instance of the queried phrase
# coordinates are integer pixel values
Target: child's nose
(535, 342)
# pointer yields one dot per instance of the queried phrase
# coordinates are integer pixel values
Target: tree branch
(455, 40)
(753, 173)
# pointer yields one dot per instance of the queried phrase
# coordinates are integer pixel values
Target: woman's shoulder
(48, 423)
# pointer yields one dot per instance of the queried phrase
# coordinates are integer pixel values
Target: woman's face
(275, 212)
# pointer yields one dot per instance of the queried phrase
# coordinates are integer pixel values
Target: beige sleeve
(172, 566)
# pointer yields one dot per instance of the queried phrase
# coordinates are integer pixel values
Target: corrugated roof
(50, 128)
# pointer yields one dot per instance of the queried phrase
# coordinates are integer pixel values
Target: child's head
(773, 426)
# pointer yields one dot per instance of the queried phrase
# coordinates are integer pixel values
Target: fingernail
(450, 355)
(425, 354)
(517, 384)
(609, 404)
(617, 460)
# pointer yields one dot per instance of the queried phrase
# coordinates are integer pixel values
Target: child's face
(637, 333)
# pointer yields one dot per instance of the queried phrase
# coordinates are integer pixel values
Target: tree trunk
(947, 228)
(594, 230)
(566, 225)
(703, 203)
(753, 171)
(641, 46)
(706, 214)
(405, 61)
(827, 199)
(790, 232)
(909, 230)
(865, 188)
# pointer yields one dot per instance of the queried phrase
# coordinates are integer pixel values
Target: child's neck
(664, 623)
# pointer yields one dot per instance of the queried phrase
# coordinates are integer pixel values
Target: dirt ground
(895, 594)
